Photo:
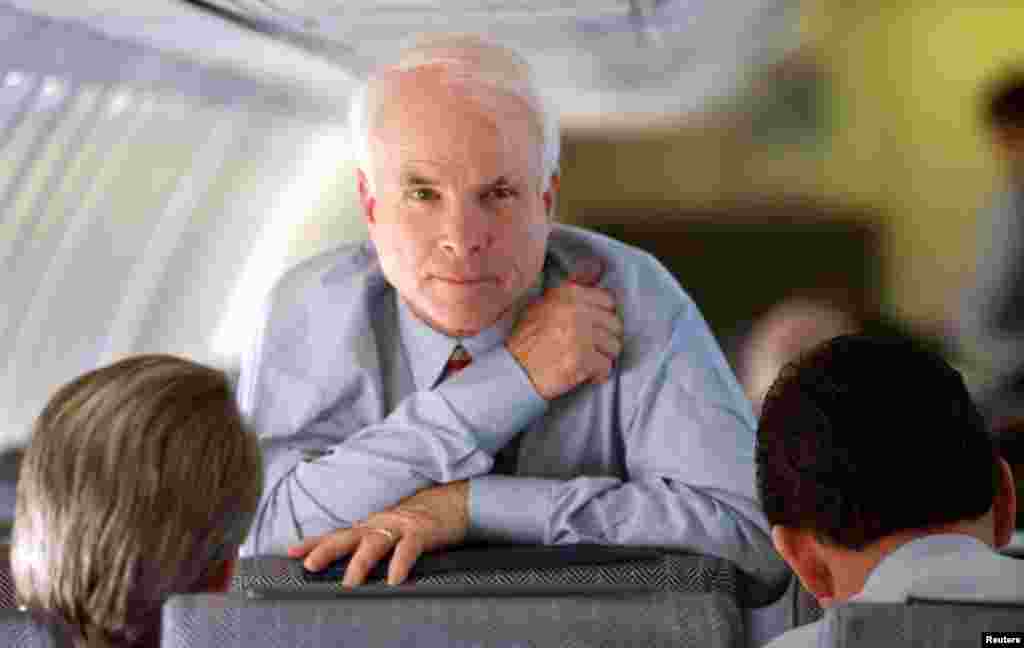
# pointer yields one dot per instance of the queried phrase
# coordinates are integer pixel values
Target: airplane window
(140, 196)
(37, 206)
(270, 256)
(42, 171)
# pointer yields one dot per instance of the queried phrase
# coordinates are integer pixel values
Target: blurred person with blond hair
(477, 372)
(139, 482)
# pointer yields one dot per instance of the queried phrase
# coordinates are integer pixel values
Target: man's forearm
(605, 510)
(439, 436)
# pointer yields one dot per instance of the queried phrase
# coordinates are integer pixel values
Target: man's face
(456, 210)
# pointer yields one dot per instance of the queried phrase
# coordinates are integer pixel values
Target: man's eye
(501, 193)
(423, 194)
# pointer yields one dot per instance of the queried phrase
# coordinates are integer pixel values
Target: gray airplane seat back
(489, 597)
(470, 617)
(806, 607)
(502, 565)
(921, 622)
(20, 629)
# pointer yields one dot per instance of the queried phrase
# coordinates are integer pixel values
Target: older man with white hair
(477, 372)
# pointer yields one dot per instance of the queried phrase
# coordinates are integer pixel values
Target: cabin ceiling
(597, 59)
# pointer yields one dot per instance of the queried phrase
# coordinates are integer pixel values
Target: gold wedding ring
(391, 535)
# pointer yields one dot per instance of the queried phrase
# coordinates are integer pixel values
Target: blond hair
(140, 479)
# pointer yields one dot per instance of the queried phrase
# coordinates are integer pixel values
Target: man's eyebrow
(501, 181)
(414, 178)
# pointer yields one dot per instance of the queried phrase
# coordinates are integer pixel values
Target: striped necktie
(459, 360)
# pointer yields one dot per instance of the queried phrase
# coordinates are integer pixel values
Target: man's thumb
(587, 271)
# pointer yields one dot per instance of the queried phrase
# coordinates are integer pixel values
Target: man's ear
(802, 551)
(366, 199)
(1004, 506)
(550, 194)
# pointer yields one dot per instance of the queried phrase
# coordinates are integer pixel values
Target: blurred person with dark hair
(879, 479)
(992, 317)
(139, 482)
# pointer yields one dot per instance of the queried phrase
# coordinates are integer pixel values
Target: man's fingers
(407, 552)
(587, 271)
(607, 343)
(333, 546)
(597, 379)
(609, 322)
(300, 550)
(596, 297)
(372, 548)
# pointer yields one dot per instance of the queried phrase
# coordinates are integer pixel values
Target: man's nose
(467, 229)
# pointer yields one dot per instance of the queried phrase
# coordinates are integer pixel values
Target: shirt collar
(902, 565)
(427, 350)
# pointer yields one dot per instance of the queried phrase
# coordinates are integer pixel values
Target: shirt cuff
(495, 396)
(504, 508)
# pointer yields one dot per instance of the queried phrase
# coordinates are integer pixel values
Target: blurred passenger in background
(993, 312)
(413, 365)
(789, 328)
(140, 481)
(879, 479)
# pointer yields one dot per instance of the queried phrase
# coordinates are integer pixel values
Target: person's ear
(366, 198)
(1004, 506)
(551, 192)
(802, 551)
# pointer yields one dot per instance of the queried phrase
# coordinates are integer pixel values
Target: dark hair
(1004, 101)
(863, 437)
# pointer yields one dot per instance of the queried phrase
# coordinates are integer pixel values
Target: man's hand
(432, 519)
(571, 335)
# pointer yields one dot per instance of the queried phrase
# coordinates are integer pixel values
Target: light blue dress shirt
(341, 386)
(941, 566)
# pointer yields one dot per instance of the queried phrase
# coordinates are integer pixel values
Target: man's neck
(850, 569)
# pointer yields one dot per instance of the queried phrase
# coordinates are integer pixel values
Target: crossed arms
(418, 479)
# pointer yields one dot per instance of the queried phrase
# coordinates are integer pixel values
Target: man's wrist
(504, 508)
(496, 397)
(519, 349)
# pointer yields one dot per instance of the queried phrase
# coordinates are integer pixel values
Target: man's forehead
(422, 124)
(428, 92)
(398, 84)
(430, 174)
(411, 97)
